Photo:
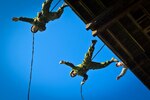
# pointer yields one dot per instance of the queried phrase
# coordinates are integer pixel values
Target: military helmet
(71, 73)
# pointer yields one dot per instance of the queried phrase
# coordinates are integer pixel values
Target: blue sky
(64, 39)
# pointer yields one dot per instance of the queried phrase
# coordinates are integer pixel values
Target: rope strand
(98, 51)
(29, 86)
(55, 5)
(81, 92)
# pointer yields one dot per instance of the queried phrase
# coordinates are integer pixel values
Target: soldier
(124, 69)
(43, 17)
(87, 64)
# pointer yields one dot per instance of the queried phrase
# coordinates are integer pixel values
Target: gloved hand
(118, 77)
(61, 62)
(82, 83)
(15, 19)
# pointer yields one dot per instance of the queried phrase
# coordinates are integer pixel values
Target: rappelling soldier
(87, 64)
(43, 17)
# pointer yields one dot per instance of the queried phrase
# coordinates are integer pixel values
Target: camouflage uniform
(88, 64)
(44, 16)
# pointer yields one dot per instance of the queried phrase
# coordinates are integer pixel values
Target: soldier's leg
(59, 11)
(95, 65)
(63, 6)
(88, 55)
(46, 6)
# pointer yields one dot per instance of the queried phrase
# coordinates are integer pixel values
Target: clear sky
(64, 39)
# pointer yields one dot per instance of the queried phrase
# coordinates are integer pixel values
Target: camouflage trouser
(51, 15)
(93, 65)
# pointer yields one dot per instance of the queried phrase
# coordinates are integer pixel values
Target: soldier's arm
(24, 19)
(67, 63)
(85, 77)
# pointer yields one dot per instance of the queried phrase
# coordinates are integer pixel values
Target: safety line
(31, 68)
